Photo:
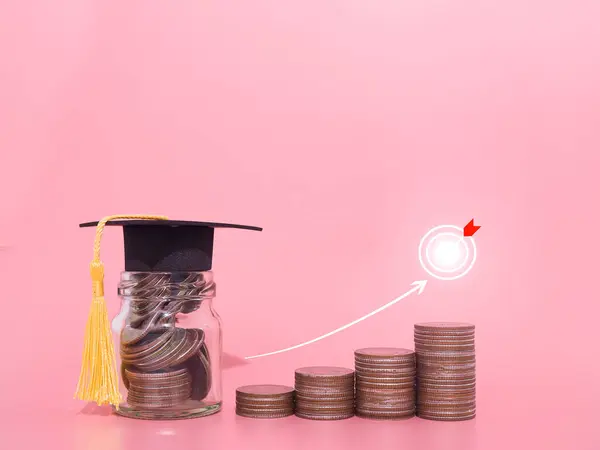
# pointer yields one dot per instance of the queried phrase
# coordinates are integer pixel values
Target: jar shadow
(91, 409)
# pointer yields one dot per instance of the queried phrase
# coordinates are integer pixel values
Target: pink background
(346, 129)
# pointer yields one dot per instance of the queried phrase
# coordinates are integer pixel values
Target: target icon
(446, 254)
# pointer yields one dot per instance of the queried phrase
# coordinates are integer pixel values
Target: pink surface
(347, 129)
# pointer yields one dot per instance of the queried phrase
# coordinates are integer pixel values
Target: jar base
(179, 412)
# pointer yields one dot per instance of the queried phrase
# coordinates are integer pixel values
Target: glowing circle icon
(446, 254)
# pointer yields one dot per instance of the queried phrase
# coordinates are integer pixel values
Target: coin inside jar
(199, 369)
(195, 340)
(131, 335)
(142, 309)
(149, 344)
(163, 358)
(158, 389)
(156, 376)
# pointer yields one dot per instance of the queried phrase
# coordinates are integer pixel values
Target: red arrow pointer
(471, 228)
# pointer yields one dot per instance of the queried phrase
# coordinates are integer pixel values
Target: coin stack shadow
(385, 383)
(445, 370)
(324, 393)
(264, 401)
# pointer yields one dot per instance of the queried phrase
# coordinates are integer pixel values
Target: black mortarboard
(168, 245)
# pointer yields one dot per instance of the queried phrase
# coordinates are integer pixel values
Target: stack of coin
(385, 383)
(264, 401)
(445, 370)
(324, 393)
(152, 344)
(158, 390)
(164, 352)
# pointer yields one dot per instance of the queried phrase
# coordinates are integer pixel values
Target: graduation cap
(168, 245)
(152, 244)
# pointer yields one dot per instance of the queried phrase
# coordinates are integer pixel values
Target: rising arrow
(418, 288)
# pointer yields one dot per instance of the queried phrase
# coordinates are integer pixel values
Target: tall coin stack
(324, 393)
(264, 401)
(445, 370)
(385, 383)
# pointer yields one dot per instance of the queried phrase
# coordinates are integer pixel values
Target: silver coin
(195, 339)
(151, 343)
(143, 308)
(158, 346)
(161, 360)
(200, 370)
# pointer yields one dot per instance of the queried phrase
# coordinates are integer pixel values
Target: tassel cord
(98, 378)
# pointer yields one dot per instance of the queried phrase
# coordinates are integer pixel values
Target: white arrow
(418, 288)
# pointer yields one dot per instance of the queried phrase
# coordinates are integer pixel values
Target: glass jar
(170, 345)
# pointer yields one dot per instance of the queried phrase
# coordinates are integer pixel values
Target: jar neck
(167, 286)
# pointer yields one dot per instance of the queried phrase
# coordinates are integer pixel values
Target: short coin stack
(264, 401)
(445, 370)
(158, 390)
(385, 383)
(324, 393)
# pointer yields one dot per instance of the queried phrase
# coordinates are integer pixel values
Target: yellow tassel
(98, 379)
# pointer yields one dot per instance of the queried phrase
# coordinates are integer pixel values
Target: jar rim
(166, 286)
